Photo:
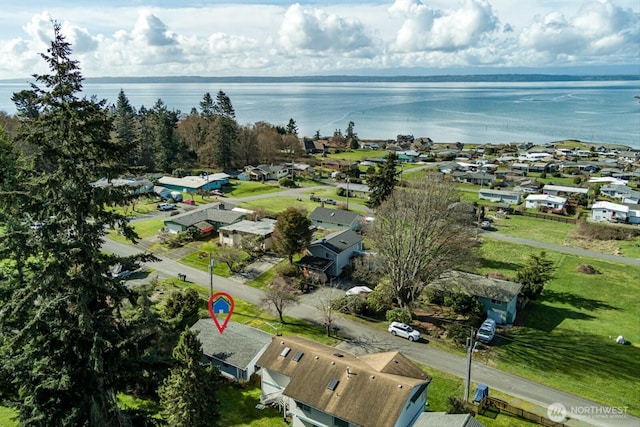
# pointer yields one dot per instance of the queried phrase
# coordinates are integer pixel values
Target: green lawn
(240, 189)
(199, 259)
(275, 205)
(535, 229)
(568, 342)
(356, 155)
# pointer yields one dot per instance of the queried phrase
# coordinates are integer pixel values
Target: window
(337, 422)
(302, 406)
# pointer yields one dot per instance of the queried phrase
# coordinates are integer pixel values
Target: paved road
(364, 338)
(562, 248)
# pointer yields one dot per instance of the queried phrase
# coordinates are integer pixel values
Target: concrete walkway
(359, 337)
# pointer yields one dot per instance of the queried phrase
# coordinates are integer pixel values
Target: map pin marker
(221, 304)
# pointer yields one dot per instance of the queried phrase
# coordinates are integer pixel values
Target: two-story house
(319, 385)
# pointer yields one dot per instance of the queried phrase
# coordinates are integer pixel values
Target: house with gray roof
(319, 385)
(235, 351)
(561, 190)
(499, 298)
(621, 192)
(260, 231)
(327, 218)
(192, 184)
(332, 253)
(205, 219)
(503, 196)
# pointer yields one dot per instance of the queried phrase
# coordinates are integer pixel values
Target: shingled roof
(369, 391)
(474, 284)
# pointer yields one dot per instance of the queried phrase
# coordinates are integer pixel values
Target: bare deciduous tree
(280, 294)
(418, 235)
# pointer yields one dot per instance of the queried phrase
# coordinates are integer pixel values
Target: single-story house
(542, 167)
(260, 230)
(319, 385)
(499, 298)
(476, 178)
(505, 196)
(407, 156)
(327, 218)
(235, 351)
(560, 190)
(614, 212)
(137, 185)
(333, 252)
(192, 184)
(621, 192)
(206, 219)
(535, 201)
(356, 190)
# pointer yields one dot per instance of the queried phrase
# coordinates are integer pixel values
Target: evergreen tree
(189, 394)
(382, 183)
(207, 107)
(534, 274)
(292, 128)
(225, 136)
(125, 127)
(60, 323)
(292, 232)
(352, 137)
(223, 106)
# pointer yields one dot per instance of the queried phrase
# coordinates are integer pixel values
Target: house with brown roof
(319, 385)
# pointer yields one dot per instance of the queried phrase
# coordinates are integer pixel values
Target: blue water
(538, 112)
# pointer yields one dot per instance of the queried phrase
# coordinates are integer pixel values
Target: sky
(118, 38)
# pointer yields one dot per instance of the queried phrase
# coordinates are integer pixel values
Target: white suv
(166, 206)
(487, 331)
(403, 330)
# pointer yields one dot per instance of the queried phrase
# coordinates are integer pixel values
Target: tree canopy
(292, 232)
(62, 335)
(418, 235)
(383, 181)
(534, 274)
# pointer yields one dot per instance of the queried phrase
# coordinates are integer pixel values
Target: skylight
(285, 352)
(297, 356)
(333, 384)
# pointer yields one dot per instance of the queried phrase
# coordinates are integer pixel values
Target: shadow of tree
(546, 318)
(576, 354)
(574, 300)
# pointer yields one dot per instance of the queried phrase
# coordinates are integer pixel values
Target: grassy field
(356, 155)
(535, 229)
(568, 342)
(240, 189)
(275, 205)
(145, 229)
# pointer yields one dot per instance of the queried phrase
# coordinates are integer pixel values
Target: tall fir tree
(60, 323)
(223, 106)
(190, 394)
(382, 183)
(126, 127)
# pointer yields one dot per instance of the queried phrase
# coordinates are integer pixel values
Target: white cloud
(599, 28)
(425, 28)
(316, 31)
(312, 37)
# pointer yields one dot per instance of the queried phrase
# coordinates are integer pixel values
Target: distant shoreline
(470, 78)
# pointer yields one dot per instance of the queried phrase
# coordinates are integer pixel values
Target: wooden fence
(494, 404)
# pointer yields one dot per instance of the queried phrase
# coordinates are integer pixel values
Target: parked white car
(403, 330)
(166, 206)
(487, 331)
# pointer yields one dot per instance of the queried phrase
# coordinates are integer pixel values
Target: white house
(319, 385)
(504, 196)
(535, 201)
(260, 230)
(614, 212)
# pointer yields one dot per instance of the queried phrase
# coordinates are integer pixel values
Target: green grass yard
(568, 341)
(240, 189)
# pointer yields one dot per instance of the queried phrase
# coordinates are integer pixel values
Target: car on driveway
(403, 330)
(487, 331)
(330, 201)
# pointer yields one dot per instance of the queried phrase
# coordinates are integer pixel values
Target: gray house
(499, 298)
(206, 220)
(235, 351)
(332, 253)
(327, 218)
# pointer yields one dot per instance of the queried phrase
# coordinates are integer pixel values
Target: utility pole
(212, 263)
(471, 346)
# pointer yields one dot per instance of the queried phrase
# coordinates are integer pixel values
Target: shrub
(433, 296)
(457, 333)
(287, 270)
(287, 182)
(606, 232)
(458, 406)
(398, 315)
(587, 269)
(380, 299)
(350, 305)
(459, 302)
